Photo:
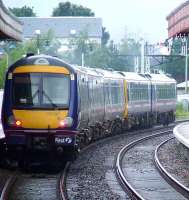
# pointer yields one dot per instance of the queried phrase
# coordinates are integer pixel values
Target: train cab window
(26, 89)
(41, 90)
(55, 89)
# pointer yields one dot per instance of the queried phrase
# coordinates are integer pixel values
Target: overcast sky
(142, 18)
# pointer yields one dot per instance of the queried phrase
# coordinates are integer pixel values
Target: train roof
(134, 76)
(50, 60)
(40, 60)
(99, 72)
(110, 73)
(87, 70)
(162, 78)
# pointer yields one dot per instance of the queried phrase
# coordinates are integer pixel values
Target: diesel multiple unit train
(49, 105)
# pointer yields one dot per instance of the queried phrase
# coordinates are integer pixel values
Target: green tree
(101, 56)
(13, 52)
(175, 65)
(105, 36)
(24, 11)
(16, 50)
(78, 45)
(3, 68)
(69, 9)
(47, 44)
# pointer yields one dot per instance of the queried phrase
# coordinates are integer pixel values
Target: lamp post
(185, 53)
(38, 33)
(142, 56)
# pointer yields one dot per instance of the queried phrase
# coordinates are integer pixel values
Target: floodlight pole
(142, 57)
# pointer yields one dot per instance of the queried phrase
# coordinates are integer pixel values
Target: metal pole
(186, 66)
(38, 52)
(142, 57)
(82, 60)
(38, 32)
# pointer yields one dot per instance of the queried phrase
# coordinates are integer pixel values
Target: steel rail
(62, 183)
(167, 176)
(8, 186)
(118, 166)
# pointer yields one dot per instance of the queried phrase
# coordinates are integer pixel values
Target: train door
(86, 96)
(153, 97)
(106, 99)
(126, 99)
(91, 99)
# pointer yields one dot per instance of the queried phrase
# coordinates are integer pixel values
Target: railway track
(6, 182)
(20, 186)
(92, 175)
(180, 187)
(137, 174)
(72, 183)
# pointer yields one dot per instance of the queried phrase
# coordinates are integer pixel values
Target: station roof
(177, 9)
(10, 26)
(63, 27)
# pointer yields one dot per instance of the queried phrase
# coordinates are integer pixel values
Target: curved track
(6, 184)
(62, 183)
(92, 176)
(170, 179)
(136, 171)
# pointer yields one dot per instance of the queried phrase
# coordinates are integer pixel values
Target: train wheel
(116, 128)
(89, 136)
(165, 120)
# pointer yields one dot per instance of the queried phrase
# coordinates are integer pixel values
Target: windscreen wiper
(50, 100)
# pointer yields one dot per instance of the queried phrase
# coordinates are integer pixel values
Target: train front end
(40, 106)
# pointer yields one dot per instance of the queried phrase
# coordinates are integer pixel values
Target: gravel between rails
(35, 187)
(174, 160)
(141, 173)
(92, 175)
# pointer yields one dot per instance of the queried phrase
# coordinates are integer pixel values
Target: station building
(64, 28)
(178, 20)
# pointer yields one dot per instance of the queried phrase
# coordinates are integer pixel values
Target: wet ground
(141, 173)
(175, 159)
(92, 175)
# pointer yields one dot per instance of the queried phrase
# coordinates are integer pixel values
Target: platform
(181, 132)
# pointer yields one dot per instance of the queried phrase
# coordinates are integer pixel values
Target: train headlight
(18, 123)
(67, 122)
